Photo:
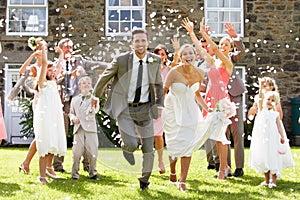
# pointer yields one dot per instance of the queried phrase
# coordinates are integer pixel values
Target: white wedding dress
(48, 121)
(183, 123)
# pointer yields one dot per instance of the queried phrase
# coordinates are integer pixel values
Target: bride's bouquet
(227, 107)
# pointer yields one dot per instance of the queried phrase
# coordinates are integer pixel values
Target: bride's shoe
(50, 172)
(227, 172)
(182, 186)
(173, 179)
(42, 180)
(22, 168)
(221, 175)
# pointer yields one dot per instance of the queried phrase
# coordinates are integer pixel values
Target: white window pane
(39, 2)
(137, 2)
(125, 15)
(213, 27)
(224, 3)
(235, 17)
(224, 16)
(235, 3)
(27, 2)
(212, 16)
(137, 15)
(212, 3)
(125, 26)
(113, 27)
(113, 2)
(125, 2)
(113, 15)
(15, 2)
(137, 25)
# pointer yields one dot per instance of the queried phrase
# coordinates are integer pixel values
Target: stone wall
(271, 37)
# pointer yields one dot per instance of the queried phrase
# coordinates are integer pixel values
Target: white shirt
(133, 80)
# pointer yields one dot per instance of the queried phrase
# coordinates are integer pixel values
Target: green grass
(118, 180)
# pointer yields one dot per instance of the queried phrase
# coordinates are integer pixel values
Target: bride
(182, 115)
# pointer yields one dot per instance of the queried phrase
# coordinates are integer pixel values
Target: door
(12, 110)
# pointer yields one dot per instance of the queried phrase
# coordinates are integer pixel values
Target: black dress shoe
(61, 170)
(129, 157)
(96, 178)
(74, 178)
(144, 186)
(211, 167)
(238, 172)
(86, 168)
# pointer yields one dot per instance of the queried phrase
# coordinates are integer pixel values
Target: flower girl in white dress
(268, 139)
(48, 119)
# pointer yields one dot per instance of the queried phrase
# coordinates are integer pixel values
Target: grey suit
(75, 62)
(85, 134)
(236, 88)
(135, 123)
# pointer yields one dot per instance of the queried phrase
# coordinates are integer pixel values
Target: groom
(134, 99)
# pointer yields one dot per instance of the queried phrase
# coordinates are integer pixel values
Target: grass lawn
(118, 180)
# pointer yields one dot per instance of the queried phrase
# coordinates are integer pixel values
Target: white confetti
(287, 46)
(152, 14)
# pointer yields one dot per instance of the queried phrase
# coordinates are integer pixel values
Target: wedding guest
(219, 74)
(236, 88)
(136, 92)
(268, 84)
(73, 68)
(212, 156)
(82, 115)
(31, 72)
(48, 117)
(267, 155)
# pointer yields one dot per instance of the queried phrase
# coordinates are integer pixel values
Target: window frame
(119, 8)
(225, 9)
(26, 33)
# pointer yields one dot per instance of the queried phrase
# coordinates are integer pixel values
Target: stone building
(269, 28)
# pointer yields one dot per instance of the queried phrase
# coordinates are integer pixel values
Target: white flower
(227, 107)
(150, 60)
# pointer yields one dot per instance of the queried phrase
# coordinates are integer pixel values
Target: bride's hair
(184, 47)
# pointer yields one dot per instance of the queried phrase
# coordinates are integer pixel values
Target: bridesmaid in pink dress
(3, 134)
(166, 64)
(219, 74)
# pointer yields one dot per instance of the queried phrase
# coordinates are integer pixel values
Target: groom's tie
(139, 83)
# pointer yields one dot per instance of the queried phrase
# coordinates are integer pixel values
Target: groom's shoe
(238, 172)
(129, 157)
(144, 186)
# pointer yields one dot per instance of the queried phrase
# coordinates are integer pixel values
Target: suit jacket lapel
(129, 70)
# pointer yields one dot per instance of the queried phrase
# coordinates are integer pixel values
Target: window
(123, 15)
(27, 17)
(219, 12)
